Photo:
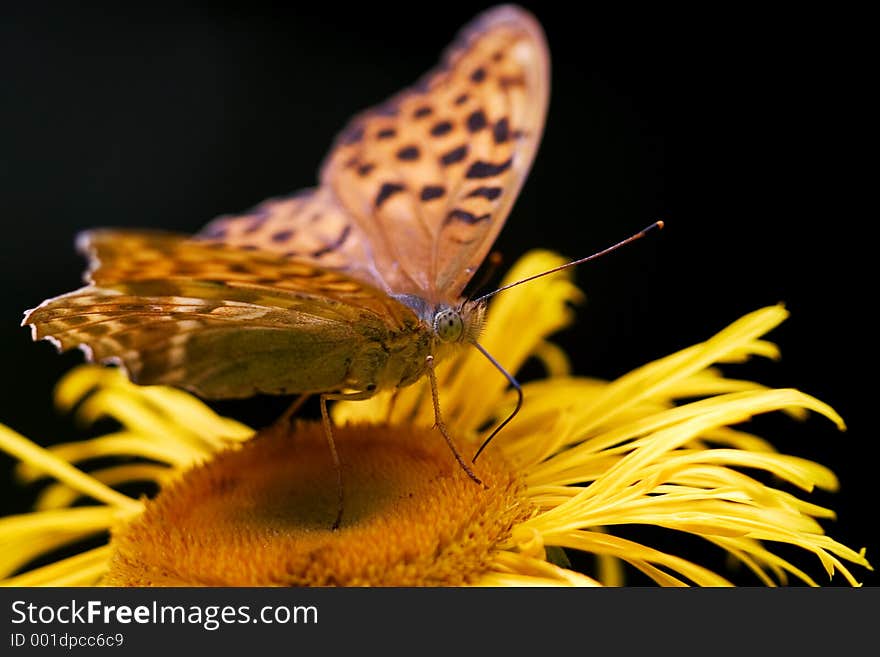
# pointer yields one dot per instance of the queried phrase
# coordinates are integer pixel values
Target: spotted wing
(309, 226)
(430, 176)
(220, 321)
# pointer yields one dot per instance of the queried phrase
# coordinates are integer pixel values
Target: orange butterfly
(345, 289)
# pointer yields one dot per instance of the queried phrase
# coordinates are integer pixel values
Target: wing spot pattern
(501, 131)
(408, 153)
(467, 217)
(431, 192)
(282, 236)
(442, 128)
(489, 193)
(385, 192)
(480, 169)
(455, 155)
(338, 242)
(476, 121)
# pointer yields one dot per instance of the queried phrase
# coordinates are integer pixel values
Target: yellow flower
(581, 460)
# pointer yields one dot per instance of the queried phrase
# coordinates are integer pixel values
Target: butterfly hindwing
(308, 226)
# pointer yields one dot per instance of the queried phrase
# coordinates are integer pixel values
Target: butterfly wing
(220, 321)
(430, 176)
(309, 226)
(414, 192)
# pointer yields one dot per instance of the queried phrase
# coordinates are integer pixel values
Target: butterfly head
(451, 324)
(448, 324)
(458, 324)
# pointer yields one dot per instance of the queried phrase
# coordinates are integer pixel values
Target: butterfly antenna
(657, 225)
(519, 399)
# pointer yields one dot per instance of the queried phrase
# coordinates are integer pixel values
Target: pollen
(261, 515)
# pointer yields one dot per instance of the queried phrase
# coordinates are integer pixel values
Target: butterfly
(345, 289)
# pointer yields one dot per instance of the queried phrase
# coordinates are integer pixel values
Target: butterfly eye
(448, 325)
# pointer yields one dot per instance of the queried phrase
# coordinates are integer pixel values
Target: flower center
(262, 515)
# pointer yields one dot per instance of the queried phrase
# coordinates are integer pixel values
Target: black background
(743, 129)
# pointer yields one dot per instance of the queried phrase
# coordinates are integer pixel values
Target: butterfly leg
(389, 412)
(281, 427)
(438, 422)
(328, 432)
(293, 409)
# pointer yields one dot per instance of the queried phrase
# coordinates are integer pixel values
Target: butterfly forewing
(430, 175)
(414, 191)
